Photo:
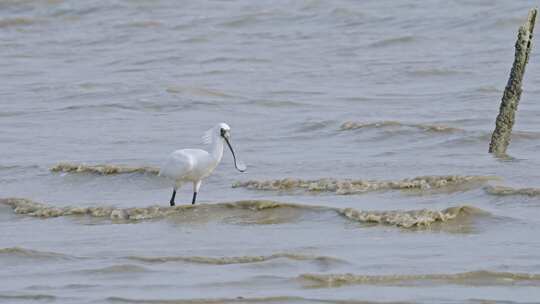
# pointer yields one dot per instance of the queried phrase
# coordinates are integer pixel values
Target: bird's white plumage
(177, 165)
(188, 165)
(193, 165)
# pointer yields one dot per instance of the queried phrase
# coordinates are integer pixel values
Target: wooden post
(510, 100)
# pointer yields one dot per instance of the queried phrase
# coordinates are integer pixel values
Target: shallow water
(351, 117)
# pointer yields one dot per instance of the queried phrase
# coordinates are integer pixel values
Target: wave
(351, 186)
(524, 135)
(431, 72)
(116, 269)
(251, 212)
(258, 300)
(222, 59)
(141, 24)
(246, 19)
(274, 103)
(102, 169)
(67, 286)
(393, 41)
(478, 278)
(103, 107)
(29, 297)
(16, 22)
(352, 125)
(508, 22)
(20, 252)
(237, 259)
(297, 92)
(197, 91)
(508, 191)
(466, 137)
(488, 89)
(410, 219)
(15, 167)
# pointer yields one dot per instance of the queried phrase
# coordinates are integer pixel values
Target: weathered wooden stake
(512, 93)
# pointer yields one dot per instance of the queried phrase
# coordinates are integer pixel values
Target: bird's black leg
(172, 197)
(194, 198)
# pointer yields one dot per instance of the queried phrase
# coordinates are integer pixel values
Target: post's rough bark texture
(512, 93)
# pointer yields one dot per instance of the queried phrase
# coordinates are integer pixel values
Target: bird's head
(225, 133)
(224, 130)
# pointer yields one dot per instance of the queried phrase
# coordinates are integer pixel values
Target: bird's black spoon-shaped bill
(240, 166)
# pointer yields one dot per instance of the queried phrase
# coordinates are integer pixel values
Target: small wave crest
(350, 186)
(117, 269)
(409, 219)
(393, 41)
(434, 72)
(31, 208)
(197, 91)
(245, 212)
(352, 125)
(16, 22)
(27, 297)
(478, 278)
(258, 300)
(20, 252)
(141, 24)
(236, 259)
(102, 169)
(509, 191)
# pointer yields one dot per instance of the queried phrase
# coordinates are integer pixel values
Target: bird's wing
(177, 165)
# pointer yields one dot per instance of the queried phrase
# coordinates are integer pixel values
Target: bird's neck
(217, 148)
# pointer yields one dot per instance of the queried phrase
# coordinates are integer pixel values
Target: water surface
(374, 91)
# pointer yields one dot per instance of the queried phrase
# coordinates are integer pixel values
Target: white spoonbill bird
(193, 165)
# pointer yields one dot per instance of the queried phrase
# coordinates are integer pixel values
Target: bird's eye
(223, 132)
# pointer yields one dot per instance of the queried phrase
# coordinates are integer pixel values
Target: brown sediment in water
(259, 212)
(509, 191)
(351, 186)
(102, 169)
(236, 259)
(478, 278)
(352, 125)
